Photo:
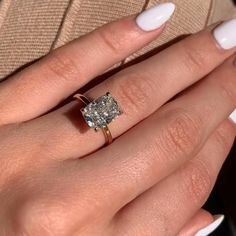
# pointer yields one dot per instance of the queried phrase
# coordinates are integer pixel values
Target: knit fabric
(29, 29)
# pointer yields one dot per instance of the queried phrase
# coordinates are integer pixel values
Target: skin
(55, 177)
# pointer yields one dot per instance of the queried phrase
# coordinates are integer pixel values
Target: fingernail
(225, 34)
(212, 227)
(232, 117)
(153, 18)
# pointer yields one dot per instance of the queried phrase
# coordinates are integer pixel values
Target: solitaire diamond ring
(100, 112)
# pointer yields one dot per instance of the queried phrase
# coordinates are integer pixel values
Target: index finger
(68, 68)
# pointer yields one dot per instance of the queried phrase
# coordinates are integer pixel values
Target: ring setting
(99, 113)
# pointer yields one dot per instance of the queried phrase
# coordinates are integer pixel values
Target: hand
(55, 178)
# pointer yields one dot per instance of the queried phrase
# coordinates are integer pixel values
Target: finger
(163, 142)
(199, 111)
(180, 195)
(140, 90)
(143, 88)
(68, 68)
(199, 221)
(61, 189)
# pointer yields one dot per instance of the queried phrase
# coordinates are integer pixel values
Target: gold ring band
(106, 131)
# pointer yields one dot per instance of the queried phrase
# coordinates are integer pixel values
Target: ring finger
(140, 90)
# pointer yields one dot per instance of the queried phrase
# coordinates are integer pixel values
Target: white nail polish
(232, 117)
(212, 227)
(225, 34)
(153, 18)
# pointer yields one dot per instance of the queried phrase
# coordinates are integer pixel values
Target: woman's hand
(159, 171)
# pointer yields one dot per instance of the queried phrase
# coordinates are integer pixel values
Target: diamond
(100, 112)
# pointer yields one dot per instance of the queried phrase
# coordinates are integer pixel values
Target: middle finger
(162, 143)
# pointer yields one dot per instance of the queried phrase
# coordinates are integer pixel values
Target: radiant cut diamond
(100, 112)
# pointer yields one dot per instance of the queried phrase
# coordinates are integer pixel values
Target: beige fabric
(222, 10)
(29, 29)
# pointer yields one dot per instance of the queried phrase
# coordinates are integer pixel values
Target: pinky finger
(202, 224)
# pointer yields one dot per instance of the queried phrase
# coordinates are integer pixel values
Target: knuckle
(111, 39)
(37, 217)
(62, 66)
(193, 58)
(197, 181)
(46, 216)
(134, 92)
(182, 133)
(91, 209)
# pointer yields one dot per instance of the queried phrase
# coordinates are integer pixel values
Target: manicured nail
(225, 34)
(212, 227)
(153, 18)
(232, 117)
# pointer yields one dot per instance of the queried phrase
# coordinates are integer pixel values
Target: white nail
(232, 117)
(225, 34)
(153, 18)
(212, 227)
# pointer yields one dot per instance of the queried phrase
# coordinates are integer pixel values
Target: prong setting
(101, 112)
